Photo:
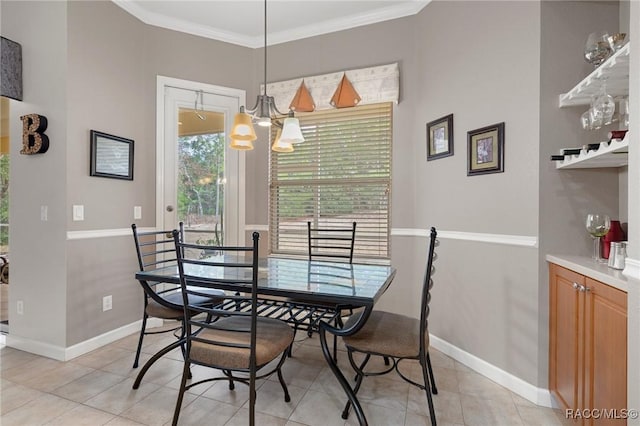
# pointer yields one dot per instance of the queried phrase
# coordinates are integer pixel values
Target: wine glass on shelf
(598, 225)
(604, 104)
(597, 48)
(595, 115)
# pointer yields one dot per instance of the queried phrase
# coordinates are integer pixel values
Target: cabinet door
(566, 328)
(605, 350)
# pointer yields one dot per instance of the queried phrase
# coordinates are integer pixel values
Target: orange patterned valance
(373, 85)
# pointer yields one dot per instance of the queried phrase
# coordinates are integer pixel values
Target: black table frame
(306, 310)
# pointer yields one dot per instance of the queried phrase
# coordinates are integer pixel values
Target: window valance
(373, 84)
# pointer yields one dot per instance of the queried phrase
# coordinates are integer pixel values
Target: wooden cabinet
(587, 345)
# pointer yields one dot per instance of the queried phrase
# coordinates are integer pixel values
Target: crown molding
(170, 23)
(339, 24)
(346, 23)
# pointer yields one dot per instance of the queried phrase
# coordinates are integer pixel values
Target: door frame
(163, 83)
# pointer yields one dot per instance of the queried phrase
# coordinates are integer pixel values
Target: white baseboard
(538, 396)
(65, 354)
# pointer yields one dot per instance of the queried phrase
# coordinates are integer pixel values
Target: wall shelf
(613, 154)
(615, 71)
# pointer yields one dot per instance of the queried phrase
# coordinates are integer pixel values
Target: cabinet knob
(576, 286)
(584, 288)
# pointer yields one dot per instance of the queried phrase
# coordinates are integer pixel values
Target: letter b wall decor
(34, 141)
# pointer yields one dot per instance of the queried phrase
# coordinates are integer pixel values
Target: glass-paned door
(202, 178)
(201, 175)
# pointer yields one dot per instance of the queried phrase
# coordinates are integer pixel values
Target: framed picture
(111, 156)
(486, 150)
(440, 138)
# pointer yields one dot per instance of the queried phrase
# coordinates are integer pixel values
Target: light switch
(78, 212)
(44, 213)
(137, 212)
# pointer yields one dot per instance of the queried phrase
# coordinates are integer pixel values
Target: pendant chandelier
(264, 113)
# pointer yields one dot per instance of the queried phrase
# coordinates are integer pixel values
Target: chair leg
(142, 330)
(252, 398)
(434, 389)
(232, 385)
(427, 389)
(287, 397)
(185, 372)
(359, 377)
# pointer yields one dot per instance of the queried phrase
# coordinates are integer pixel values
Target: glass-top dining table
(303, 292)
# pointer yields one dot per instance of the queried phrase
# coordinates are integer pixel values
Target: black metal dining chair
(397, 337)
(155, 250)
(331, 243)
(240, 343)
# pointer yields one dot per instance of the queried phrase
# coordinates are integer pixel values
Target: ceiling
(241, 22)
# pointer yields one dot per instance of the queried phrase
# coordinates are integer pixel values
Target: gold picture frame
(440, 138)
(485, 153)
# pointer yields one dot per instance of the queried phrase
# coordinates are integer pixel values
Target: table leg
(341, 379)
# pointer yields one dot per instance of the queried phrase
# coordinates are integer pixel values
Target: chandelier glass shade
(279, 145)
(264, 113)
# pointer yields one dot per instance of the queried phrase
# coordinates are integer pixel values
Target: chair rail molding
(256, 228)
(103, 233)
(512, 240)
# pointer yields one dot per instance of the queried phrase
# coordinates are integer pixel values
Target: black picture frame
(485, 150)
(440, 138)
(111, 156)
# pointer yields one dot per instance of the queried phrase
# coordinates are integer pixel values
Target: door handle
(169, 208)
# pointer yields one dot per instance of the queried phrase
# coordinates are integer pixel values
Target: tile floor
(95, 389)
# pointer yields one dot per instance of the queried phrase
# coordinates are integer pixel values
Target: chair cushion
(272, 338)
(386, 333)
(155, 309)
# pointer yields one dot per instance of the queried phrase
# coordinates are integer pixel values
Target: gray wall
(497, 287)
(567, 196)
(38, 249)
(485, 62)
(90, 65)
(114, 60)
(487, 72)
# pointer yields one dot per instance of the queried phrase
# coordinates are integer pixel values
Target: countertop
(588, 267)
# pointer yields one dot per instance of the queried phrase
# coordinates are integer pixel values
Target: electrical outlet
(107, 303)
(20, 307)
(137, 212)
(44, 213)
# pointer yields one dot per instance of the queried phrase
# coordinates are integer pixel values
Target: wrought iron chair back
(156, 250)
(239, 341)
(331, 242)
(399, 338)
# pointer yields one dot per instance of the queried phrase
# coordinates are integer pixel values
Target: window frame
(379, 142)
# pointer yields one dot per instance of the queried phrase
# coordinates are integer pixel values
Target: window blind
(340, 174)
